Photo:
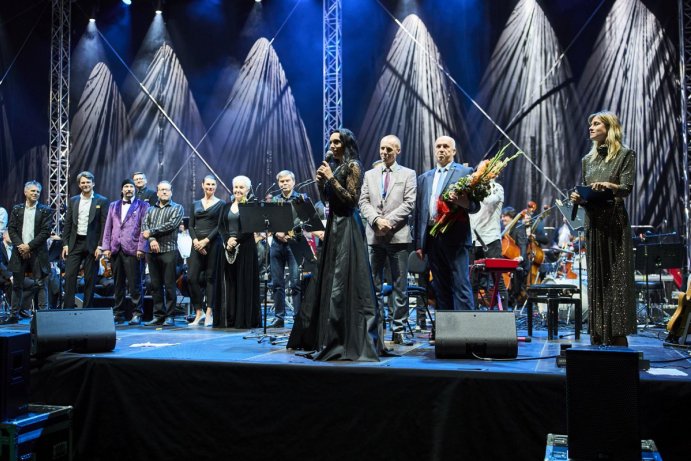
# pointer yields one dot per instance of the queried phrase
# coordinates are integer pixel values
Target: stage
(183, 393)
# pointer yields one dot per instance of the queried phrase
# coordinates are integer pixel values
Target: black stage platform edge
(180, 410)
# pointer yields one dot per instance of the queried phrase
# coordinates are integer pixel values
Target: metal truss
(333, 75)
(59, 143)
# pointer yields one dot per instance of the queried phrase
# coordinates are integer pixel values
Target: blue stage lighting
(127, 2)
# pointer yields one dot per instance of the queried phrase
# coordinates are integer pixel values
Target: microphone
(270, 189)
(574, 211)
(305, 183)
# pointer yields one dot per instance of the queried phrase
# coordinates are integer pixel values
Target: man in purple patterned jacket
(125, 247)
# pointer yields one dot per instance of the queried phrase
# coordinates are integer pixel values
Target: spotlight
(92, 20)
(159, 12)
(127, 2)
(257, 1)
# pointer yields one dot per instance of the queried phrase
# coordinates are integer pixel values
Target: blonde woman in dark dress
(609, 245)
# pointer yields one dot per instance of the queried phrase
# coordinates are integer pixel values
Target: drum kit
(569, 269)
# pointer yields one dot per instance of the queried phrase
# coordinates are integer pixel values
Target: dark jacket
(38, 246)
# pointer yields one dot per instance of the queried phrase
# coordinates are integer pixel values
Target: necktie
(387, 174)
(437, 193)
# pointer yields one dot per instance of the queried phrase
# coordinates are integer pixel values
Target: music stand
(577, 225)
(653, 257)
(265, 217)
(307, 219)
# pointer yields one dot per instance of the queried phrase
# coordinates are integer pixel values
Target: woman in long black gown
(611, 294)
(239, 303)
(339, 318)
(206, 248)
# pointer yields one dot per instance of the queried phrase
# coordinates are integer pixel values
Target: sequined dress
(609, 257)
(338, 319)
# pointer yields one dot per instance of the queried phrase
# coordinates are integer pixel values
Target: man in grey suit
(387, 200)
(82, 234)
(29, 229)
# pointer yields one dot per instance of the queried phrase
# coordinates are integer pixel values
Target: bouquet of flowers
(476, 186)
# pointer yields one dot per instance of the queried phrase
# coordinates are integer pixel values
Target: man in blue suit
(447, 252)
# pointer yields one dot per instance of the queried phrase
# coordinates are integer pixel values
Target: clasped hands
(200, 245)
(231, 243)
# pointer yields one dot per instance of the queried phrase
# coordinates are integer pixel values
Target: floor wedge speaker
(460, 334)
(78, 330)
(14, 373)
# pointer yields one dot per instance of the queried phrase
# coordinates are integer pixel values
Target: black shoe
(277, 323)
(157, 321)
(403, 340)
(119, 320)
(23, 313)
(170, 322)
(136, 320)
(11, 320)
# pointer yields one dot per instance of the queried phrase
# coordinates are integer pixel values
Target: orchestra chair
(421, 269)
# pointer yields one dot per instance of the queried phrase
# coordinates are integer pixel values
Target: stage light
(257, 1)
(127, 2)
(159, 12)
(92, 20)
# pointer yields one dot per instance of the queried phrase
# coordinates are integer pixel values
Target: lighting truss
(333, 75)
(58, 153)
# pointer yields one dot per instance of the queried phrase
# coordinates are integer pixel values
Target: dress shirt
(437, 189)
(28, 226)
(83, 217)
(124, 209)
(163, 222)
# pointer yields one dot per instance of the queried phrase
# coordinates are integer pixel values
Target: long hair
(614, 135)
(350, 148)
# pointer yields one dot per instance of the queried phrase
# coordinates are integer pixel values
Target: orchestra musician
(514, 228)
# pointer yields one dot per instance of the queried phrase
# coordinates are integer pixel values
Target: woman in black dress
(339, 318)
(611, 295)
(206, 248)
(239, 303)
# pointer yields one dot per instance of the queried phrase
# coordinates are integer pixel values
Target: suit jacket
(147, 195)
(459, 233)
(39, 249)
(397, 206)
(125, 235)
(98, 214)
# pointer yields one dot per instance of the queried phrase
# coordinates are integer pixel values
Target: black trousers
(78, 256)
(39, 284)
(163, 288)
(205, 265)
(127, 273)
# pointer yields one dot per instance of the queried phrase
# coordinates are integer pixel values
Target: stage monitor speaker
(602, 391)
(460, 334)
(77, 330)
(14, 373)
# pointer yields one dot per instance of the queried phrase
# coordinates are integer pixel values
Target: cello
(535, 253)
(509, 248)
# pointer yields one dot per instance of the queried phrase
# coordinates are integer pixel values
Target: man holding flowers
(442, 227)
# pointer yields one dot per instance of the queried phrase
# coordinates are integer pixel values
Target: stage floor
(235, 398)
